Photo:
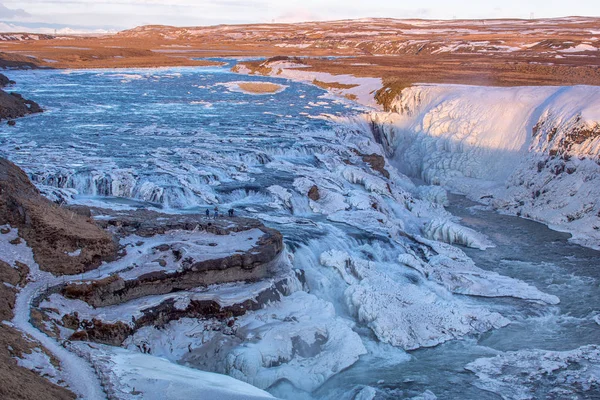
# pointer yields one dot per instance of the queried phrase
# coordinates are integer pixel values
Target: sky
(112, 15)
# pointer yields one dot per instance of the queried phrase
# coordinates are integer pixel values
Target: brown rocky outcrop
(252, 265)
(376, 162)
(4, 81)
(62, 242)
(115, 333)
(313, 193)
(13, 105)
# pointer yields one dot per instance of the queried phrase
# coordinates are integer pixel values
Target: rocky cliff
(529, 151)
(63, 242)
(13, 105)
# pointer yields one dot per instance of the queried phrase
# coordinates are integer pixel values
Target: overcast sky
(122, 14)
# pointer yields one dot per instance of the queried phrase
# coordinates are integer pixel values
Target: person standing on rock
(216, 212)
(207, 213)
(231, 211)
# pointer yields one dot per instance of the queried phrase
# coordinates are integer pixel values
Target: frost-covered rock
(539, 374)
(299, 339)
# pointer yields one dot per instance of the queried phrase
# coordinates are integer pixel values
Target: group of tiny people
(231, 212)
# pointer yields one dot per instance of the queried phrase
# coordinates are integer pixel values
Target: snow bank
(529, 151)
(132, 375)
(39, 362)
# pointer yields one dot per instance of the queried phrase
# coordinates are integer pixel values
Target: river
(180, 139)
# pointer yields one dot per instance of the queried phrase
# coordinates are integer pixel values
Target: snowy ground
(132, 375)
(77, 373)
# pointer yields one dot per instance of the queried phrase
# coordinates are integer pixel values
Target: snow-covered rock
(405, 313)
(299, 339)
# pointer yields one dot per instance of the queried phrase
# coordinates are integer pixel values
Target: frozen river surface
(417, 314)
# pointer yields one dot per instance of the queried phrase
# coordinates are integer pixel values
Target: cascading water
(379, 281)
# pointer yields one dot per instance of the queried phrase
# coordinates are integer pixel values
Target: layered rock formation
(154, 268)
(165, 262)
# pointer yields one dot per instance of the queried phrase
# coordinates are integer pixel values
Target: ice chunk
(539, 374)
(451, 268)
(450, 232)
(403, 313)
(366, 393)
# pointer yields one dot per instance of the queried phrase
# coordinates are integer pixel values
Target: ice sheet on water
(537, 374)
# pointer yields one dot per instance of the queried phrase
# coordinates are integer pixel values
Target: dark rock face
(314, 194)
(52, 232)
(4, 81)
(13, 105)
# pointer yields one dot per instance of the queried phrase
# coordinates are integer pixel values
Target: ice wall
(529, 151)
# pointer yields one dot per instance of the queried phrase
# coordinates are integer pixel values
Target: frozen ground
(383, 276)
(78, 374)
(133, 375)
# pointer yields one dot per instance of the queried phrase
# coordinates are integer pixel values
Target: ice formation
(299, 339)
(366, 237)
(130, 375)
(537, 374)
(529, 151)
(405, 314)
(448, 231)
